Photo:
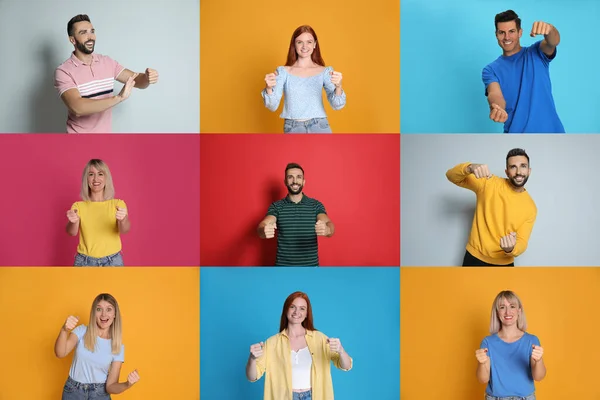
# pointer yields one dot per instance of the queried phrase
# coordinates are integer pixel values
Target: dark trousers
(471, 261)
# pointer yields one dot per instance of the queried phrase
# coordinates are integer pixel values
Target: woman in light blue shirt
(510, 359)
(301, 81)
(99, 353)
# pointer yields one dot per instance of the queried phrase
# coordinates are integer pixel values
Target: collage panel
(499, 200)
(146, 321)
(299, 200)
(492, 333)
(73, 70)
(100, 200)
(318, 67)
(257, 320)
(501, 79)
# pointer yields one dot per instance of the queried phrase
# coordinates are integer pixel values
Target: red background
(156, 175)
(356, 177)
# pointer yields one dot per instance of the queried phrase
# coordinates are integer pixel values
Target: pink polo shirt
(95, 81)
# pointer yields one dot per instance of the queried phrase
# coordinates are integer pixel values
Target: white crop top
(301, 367)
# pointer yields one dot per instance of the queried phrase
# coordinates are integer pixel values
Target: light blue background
(242, 306)
(446, 44)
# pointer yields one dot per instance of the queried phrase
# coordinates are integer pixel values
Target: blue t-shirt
(88, 367)
(510, 365)
(524, 79)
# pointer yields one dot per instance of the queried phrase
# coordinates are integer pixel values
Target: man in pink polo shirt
(85, 82)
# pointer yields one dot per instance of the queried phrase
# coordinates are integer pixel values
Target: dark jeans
(471, 261)
(74, 390)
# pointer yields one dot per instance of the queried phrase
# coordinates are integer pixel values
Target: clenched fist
(480, 171)
(133, 377)
(497, 113)
(508, 242)
(321, 228)
(121, 213)
(271, 80)
(70, 323)
(335, 345)
(482, 356)
(151, 75)
(540, 28)
(72, 216)
(336, 78)
(256, 350)
(537, 353)
(270, 230)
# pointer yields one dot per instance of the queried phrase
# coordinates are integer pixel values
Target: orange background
(160, 308)
(242, 41)
(445, 313)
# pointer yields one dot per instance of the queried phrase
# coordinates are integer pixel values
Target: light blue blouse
(303, 96)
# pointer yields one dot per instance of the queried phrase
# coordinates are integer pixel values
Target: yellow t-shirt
(98, 229)
(499, 211)
(276, 361)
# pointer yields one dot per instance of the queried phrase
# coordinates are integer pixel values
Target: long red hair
(316, 54)
(308, 321)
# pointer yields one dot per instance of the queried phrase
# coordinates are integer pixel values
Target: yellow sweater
(98, 230)
(499, 211)
(276, 361)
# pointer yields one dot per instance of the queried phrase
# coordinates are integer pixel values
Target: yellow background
(445, 313)
(160, 308)
(242, 41)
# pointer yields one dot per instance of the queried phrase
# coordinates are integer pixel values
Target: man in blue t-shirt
(517, 84)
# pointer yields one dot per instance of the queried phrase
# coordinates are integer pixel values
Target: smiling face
(96, 180)
(517, 171)
(508, 36)
(104, 314)
(297, 312)
(294, 180)
(84, 37)
(305, 45)
(508, 313)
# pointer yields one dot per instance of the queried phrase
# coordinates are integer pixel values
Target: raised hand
(335, 345)
(540, 28)
(121, 213)
(72, 216)
(537, 353)
(270, 230)
(271, 80)
(482, 356)
(126, 90)
(256, 350)
(508, 242)
(151, 75)
(321, 228)
(336, 78)
(71, 323)
(480, 171)
(133, 377)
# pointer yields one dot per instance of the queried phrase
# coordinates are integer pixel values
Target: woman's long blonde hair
(89, 339)
(512, 298)
(109, 187)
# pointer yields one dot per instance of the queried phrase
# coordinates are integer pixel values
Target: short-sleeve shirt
(92, 367)
(297, 243)
(510, 363)
(524, 79)
(95, 81)
(98, 229)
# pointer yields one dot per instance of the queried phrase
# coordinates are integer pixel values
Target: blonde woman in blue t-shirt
(510, 359)
(302, 81)
(99, 353)
(99, 219)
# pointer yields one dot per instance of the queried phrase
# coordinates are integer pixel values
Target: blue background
(242, 306)
(446, 44)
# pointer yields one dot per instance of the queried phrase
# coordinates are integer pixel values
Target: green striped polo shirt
(296, 237)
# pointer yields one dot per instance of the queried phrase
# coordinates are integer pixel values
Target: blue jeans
(114, 260)
(314, 125)
(74, 390)
(303, 395)
(530, 397)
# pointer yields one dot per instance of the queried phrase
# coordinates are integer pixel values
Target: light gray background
(159, 34)
(436, 215)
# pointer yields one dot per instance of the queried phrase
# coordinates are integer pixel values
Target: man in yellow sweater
(505, 212)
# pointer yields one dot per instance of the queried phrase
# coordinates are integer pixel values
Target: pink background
(156, 175)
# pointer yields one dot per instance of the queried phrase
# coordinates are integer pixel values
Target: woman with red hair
(297, 360)
(302, 81)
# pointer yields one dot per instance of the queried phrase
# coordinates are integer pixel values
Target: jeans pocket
(323, 123)
(69, 388)
(287, 126)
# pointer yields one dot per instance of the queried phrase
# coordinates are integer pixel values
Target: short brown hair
(74, 20)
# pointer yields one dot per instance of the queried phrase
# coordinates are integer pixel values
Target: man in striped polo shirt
(85, 82)
(298, 220)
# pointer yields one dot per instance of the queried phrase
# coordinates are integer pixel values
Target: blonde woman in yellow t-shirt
(297, 360)
(100, 219)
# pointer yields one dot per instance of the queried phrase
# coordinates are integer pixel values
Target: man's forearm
(141, 81)
(498, 99)
(331, 228)
(83, 106)
(553, 38)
